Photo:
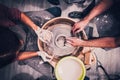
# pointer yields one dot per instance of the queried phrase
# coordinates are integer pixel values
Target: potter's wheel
(58, 45)
(61, 29)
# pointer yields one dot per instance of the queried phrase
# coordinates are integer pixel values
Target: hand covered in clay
(44, 35)
(44, 56)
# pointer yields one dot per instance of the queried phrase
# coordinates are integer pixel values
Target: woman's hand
(44, 35)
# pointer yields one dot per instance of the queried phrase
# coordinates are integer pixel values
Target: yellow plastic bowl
(70, 68)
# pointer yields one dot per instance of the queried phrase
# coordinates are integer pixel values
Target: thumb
(69, 39)
(77, 31)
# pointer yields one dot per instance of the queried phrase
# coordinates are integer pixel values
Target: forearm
(26, 20)
(98, 9)
(102, 42)
(26, 55)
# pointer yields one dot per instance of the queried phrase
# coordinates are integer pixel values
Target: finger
(70, 42)
(77, 31)
(69, 39)
(73, 31)
(52, 58)
(73, 28)
(48, 55)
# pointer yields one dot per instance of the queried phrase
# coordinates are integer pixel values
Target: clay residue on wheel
(58, 45)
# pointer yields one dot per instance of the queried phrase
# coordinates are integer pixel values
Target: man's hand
(79, 26)
(44, 35)
(74, 41)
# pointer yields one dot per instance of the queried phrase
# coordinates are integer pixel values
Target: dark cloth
(115, 9)
(108, 23)
(9, 16)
